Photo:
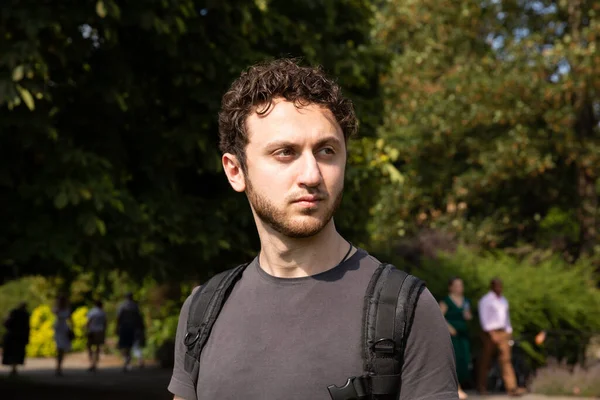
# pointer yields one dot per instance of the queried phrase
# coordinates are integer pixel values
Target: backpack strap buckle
(354, 389)
(384, 346)
(189, 339)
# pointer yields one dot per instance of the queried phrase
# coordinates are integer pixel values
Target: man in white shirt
(96, 330)
(495, 321)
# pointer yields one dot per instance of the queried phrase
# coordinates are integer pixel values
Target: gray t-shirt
(290, 338)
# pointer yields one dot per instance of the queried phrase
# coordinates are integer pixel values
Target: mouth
(308, 201)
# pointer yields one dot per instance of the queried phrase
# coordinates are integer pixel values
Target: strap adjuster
(189, 339)
(384, 346)
(354, 389)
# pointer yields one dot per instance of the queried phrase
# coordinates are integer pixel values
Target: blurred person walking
(16, 337)
(139, 341)
(457, 311)
(129, 320)
(96, 333)
(494, 317)
(63, 332)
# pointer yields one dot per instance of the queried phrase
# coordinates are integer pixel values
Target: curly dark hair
(256, 88)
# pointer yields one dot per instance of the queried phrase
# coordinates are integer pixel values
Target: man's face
(497, 287)
(295, 159)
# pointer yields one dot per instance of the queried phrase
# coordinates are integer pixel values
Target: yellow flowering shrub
(41, 338)
(79, 318)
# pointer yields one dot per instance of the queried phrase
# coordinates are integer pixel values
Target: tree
(493, 107)
(108, 155)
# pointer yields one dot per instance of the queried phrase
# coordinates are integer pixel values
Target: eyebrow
(286, 143)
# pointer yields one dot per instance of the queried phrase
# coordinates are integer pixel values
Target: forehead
(285, 120)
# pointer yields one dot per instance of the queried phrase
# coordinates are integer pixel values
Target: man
(497, 330)
(129, 321)
(292, 324)
(96, 332)
(16, 337)
(139, 342)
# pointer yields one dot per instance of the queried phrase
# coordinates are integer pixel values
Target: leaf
(101, 9)
(61, 200)
(27, 97)
(18, 73)
(101, 226)
(261, 5)
(395, 175)
(86, 194)
(180, 25)
(118, 205)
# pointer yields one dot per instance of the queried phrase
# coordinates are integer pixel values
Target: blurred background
(478, 156)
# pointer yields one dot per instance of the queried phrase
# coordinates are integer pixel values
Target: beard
(281, 222)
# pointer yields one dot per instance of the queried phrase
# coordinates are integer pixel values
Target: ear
(234, 172)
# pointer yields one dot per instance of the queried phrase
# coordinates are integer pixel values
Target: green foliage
(34, 290)
(558, 223)
(161, 331)
(159, 303)
(493, 107)
(546, 295)
(108, 136)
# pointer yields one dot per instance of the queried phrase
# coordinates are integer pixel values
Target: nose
(310, 172)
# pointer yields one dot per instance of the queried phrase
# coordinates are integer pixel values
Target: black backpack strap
(388, 323)
(389, 308)
(205, 306)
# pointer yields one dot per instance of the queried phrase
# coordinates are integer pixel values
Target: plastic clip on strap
(384, 384)
(354, 389)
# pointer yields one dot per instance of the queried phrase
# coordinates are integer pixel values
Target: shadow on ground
(108, 383)
(38, 381)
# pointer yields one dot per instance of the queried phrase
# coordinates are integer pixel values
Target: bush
(34, 290)
(41, 338)
(560, 379)
(79, 318)
(161, 337)
(159, 303)
(551, 294)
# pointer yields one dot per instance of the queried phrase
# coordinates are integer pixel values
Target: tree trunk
(586, 185)
(586, 212)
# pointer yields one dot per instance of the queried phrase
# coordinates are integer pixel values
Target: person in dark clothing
(129, 323)
(16, 337)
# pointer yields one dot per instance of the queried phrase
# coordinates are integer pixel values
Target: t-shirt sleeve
(181, 384)
(429, 371)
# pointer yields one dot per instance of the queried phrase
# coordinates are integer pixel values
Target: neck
(285, 257)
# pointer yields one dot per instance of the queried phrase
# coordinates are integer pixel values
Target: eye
(284, 153)
(328, 151)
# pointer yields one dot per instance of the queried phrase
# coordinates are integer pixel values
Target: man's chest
(282, 344)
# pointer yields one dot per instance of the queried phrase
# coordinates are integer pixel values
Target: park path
(37, 381)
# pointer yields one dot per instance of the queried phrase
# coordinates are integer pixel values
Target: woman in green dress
(457, 311)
